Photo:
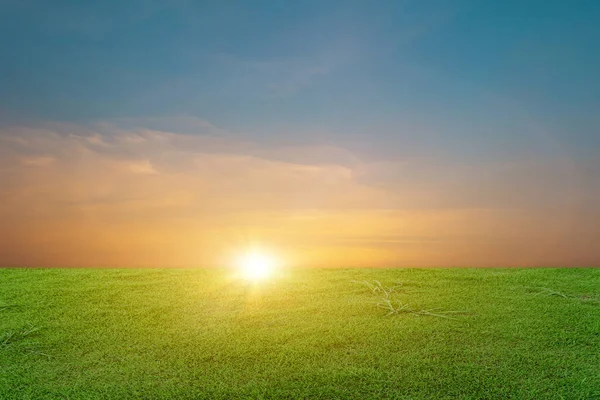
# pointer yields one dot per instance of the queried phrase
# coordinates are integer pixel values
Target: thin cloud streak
(112, 196)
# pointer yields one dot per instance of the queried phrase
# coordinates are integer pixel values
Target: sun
(256, 265)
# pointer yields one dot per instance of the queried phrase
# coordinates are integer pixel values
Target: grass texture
(307, 334)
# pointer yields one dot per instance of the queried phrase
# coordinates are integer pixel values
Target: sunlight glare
(256, 266)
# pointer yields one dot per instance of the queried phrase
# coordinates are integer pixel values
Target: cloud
(37, 161)
(142, 175)
(532, 184)
(273, 77)
(110, 194)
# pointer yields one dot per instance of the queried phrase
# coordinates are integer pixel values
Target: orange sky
(104, 196)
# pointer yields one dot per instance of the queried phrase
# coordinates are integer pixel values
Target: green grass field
(194, 334)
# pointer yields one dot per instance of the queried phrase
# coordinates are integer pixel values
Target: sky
(174, 133)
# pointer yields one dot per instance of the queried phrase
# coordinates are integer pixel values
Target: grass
(194, 334)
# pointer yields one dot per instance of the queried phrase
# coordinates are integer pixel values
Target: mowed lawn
(312, 333)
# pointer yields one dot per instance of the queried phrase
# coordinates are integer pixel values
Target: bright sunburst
(256, 265)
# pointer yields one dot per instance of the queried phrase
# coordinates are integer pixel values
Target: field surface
(315, 334)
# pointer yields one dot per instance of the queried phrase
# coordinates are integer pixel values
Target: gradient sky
(333, 133)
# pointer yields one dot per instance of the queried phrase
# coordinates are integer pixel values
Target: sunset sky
(333, 133)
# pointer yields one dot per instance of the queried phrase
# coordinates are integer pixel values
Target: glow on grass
(256, 266)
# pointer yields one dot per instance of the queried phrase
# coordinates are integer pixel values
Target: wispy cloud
(272, 77)
(110, 195)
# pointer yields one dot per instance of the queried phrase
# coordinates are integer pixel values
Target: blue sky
(345, 66)
(444, 104)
